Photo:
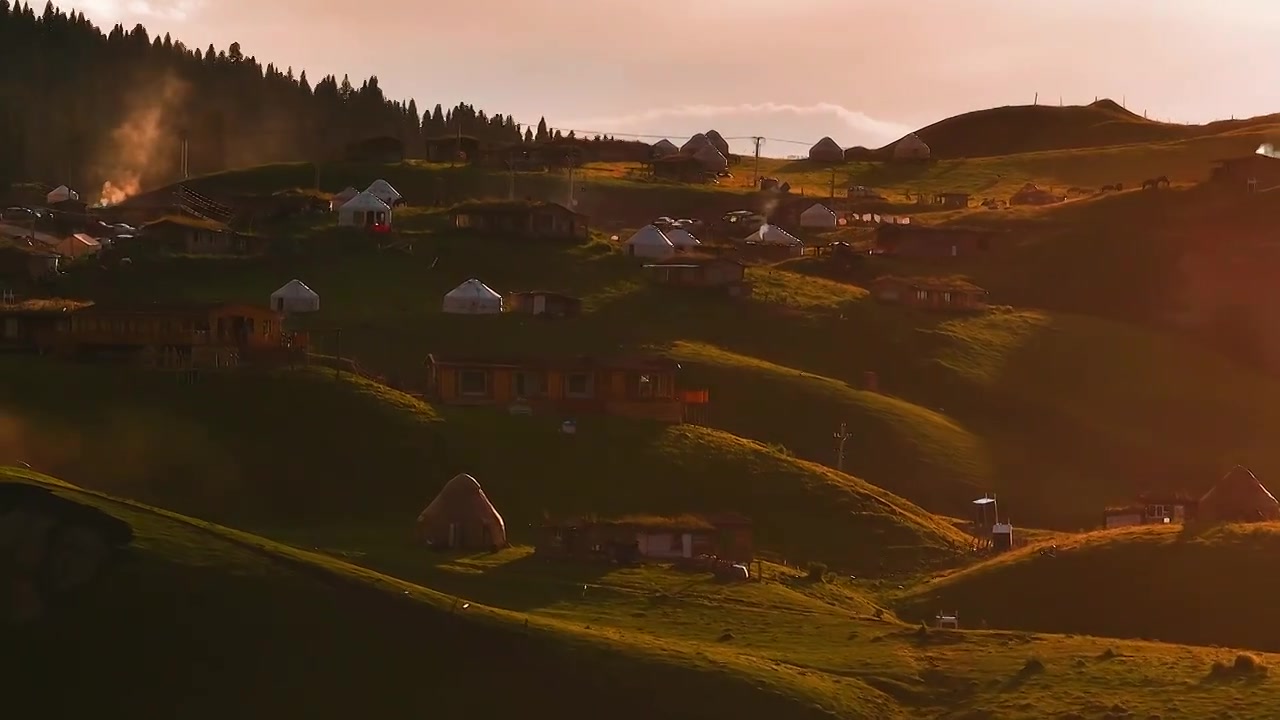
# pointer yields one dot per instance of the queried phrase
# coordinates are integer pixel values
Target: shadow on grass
(523, 583)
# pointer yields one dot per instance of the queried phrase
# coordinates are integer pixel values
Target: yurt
(663, 148)
(382, 190)
(61, 193)
(342, 198)
(910, 147)
(295, 297)
(773, 235)
(826, 150)
(462, 518)
(472, 298)
(1238, 497)
(650, 242)
(694, 144)
(364, 210)
(818, 216)
(710, 159)
(682, 239)
(718, 142)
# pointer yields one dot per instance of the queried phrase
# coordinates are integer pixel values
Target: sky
(863, 72)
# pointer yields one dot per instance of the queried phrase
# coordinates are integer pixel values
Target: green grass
(1207, 587)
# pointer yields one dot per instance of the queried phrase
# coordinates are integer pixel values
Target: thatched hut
(1238, 497)
(461, 517)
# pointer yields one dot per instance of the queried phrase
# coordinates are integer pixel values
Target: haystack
(1238, 497)
(462, 518)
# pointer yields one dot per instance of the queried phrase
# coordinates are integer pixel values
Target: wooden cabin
(642, 387)
(179, 334)
(33, 325)
(542, 303)
(523, 219)
(727, 536)
(930, 293)
(923, 242)
(1152, 509)
(692, 271)
(175, 234)
(951, 200)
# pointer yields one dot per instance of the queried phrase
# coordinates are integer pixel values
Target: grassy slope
(301, 448)
(200, 621)
(1159, 583)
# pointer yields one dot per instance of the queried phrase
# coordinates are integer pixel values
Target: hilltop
(1146, 582)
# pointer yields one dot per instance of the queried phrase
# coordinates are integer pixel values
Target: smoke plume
(140, 146)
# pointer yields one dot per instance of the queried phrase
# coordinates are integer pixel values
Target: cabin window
(578, 385)
(645, 389)
(946, 298)
(473, 383)
(922, 295)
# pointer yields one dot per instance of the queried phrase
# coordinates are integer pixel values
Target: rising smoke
(139, 146)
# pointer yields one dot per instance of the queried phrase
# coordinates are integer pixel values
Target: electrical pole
(833, 183)
(755, 173)
(840, 437)
(570, 182)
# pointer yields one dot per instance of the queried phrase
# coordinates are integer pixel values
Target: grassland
(1163, 583)
(784, 647)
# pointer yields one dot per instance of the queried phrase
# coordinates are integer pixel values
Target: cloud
(784, 120)
(113, 11)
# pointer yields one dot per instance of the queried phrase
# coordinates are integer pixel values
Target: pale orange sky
(861, 71)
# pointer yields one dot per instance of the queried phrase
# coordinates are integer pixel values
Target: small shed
(718, 142)
(295, 297)
(818, 216)
(650, 242)
(682, 239)
(382, 190)
(1238, 497)
(61, 193)
(826, 150)
(364, 210)
(78, 245)
(911, 147)
(663, 148)
(342, 198)
(462, 518)
(541, 302)
(472, 298)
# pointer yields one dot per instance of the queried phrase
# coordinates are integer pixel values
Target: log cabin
(930, 293)
(523, 219)
(727, 536)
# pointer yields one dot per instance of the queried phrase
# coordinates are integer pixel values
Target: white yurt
(682, 239)
(472, 298)
(826, 150)
(295, 297)
(61, 193)
(664, 148)
(363, 210)
(911, 147)
(650, 242)
(718, 142)
(694, 144)
(382, 190)
(818, 216)
(773, 235)
(342, 198)
(710, 159)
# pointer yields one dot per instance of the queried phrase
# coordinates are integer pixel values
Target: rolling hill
(1160, 583)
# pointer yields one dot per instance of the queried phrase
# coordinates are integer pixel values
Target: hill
(1162, 583)
(180, 622)
(263, 450)
(1017, 129)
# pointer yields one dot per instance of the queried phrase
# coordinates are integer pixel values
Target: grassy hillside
(204, 622)
(1161, 583)
(301, 448)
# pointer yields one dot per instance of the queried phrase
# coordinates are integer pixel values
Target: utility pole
(570, 182)
(755, 173)
(833, 183)
(840, 437)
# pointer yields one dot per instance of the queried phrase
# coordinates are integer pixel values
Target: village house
(179, 335)
(727, 536)
(524, 219)
(696, 271)
(33, 325)
(180, 235)
(1152, 509)
(951, 200)
(922, 242)
(642, 387)
(930, 293)
(1249, 173)
(541, 302)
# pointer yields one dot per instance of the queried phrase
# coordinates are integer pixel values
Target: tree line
(83, 107)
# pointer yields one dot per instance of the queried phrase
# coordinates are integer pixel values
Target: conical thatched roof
(718, 142)
(462, 503)
(1239, 497)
